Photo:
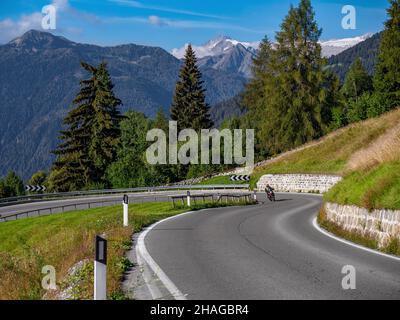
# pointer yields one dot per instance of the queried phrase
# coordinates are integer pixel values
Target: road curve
(268, 251)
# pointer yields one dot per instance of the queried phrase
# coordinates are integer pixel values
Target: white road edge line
(141, 251)
(316, 226)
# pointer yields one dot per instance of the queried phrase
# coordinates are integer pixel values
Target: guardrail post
(188, 198)
(100, 269)
(255, 196)
(125, 204)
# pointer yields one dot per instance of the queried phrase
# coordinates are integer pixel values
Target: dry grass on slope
(332, 154)
(384, 149)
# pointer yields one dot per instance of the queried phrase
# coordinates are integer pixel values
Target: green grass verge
(62, 240)
(378, 188)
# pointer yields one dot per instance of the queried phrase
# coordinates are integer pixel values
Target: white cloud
(10, 29)
(155, 20)
(185, 24)
(139, 5)
(61, 5)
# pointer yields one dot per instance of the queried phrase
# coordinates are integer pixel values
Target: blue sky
(172, 23)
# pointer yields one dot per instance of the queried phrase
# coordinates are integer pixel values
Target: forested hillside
(367, 51)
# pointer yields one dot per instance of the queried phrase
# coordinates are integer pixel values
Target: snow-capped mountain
(225, 53)
(217, 46)
(223, 44)
(336, 46)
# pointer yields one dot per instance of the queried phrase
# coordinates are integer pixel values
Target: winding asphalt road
(268, 251)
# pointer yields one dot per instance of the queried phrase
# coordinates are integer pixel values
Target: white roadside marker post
(188, 198)
(255, 196)
(100, 269)
(125, 204)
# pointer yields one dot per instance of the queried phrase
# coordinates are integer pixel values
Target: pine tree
(255, 95)
(90, 141)
(297, 88)
(161, 121)
(73, 168)
(387, 70)
(255, 88)
(189, 107)
(105, 129)
(357, 81)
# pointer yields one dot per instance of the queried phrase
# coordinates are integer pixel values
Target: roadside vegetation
(65, 240)
(359, 147)
(375, 188)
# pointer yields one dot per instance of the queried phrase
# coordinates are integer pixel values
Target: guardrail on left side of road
(104, 202)
(66, 195)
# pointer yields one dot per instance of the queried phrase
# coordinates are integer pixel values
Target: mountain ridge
(227, 54)
(40, 75)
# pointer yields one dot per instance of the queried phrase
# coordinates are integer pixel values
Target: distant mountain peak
(40, 40)
(215, 47)
(336, 46)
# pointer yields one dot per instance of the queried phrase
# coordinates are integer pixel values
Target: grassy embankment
(62, 240)
(366, 154)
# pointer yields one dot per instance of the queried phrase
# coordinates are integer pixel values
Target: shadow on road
(277, 200)
(280, 200)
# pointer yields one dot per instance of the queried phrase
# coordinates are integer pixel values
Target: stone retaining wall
(383, 225)
(298, 182)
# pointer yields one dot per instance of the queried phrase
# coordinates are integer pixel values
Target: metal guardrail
(76, 206)
(66, 195)
(248, 197)
(104, 202)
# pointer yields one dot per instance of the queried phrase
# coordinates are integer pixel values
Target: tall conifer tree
(91, 137)
(297, 88)
(189, 106)
(105, 127)
(255, 95)
(73, 168)
(357, 81)
(387, 70)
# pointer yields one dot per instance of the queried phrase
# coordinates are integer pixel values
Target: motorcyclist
(270, 192)
(268, 188)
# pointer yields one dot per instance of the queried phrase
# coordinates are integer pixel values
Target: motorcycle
(271, 196)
